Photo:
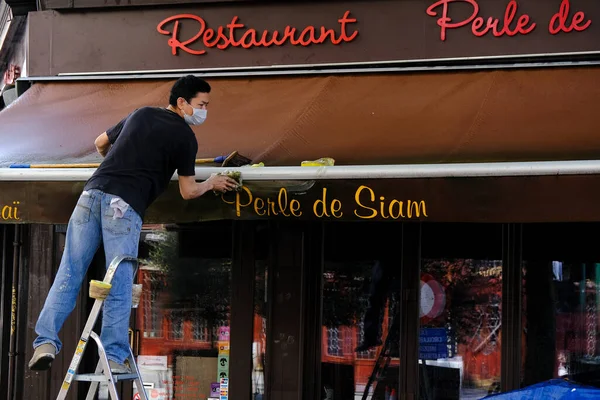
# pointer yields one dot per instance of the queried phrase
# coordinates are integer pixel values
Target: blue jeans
(90, 224)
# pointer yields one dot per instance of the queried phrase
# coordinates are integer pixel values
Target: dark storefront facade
(464, 200)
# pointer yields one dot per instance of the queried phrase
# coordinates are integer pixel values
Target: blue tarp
(550, 390)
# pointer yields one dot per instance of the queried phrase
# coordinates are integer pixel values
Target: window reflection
(261, 307)
(200, 329)
(259, 345)
(367, 354)
(461, 324)
(360, 353)
(152, 281)
(561, 303)
(175, 326)
(569, 321)
(334, 342)
(460, 312)
(184, 313)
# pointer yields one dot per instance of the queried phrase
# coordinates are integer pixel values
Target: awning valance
(572, 198)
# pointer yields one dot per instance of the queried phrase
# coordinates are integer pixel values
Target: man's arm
(108, 138)
(102, 144)
(190, 189)
(186, 170)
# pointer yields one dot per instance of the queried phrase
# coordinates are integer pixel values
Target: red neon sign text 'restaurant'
(560, 22)
(224, 37)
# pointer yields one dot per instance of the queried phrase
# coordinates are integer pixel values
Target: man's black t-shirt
(147, 147)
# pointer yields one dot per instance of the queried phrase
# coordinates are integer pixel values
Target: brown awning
(507, 115)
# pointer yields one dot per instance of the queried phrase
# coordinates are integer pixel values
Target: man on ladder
(141, 154)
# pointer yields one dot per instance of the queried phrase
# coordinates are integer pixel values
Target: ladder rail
(138, 382)
(96, 378)
(384, 358)
(94, 385)
(112, 388)
(84, 339)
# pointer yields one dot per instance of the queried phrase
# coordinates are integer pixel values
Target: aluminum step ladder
(103, 373)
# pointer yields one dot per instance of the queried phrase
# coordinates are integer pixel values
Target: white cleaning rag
(120, 207)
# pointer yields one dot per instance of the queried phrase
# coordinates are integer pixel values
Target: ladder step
(103, 378)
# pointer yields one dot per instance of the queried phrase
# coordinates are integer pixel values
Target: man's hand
(222, 183)
(190, 189)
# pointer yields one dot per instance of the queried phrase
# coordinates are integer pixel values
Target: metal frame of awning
(407, 171)
(448, 65)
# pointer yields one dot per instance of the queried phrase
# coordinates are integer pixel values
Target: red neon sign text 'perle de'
(510, 24)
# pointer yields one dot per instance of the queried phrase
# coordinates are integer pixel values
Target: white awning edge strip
(407, 171)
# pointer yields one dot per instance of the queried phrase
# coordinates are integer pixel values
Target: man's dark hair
(188, 87)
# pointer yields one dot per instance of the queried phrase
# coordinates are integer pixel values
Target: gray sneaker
(42, 357)
(117, 368)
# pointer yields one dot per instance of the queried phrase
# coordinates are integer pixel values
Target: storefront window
(460, 311)
(561, 303)
(360, 353)
(184, 313)
(261, 307)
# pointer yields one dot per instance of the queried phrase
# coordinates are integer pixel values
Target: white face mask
(197, 118)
